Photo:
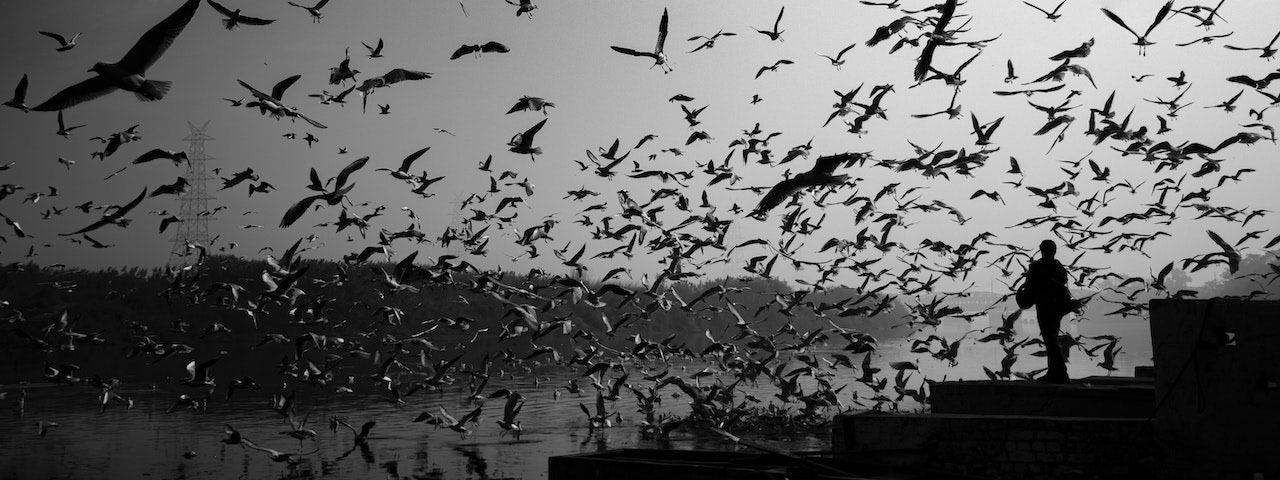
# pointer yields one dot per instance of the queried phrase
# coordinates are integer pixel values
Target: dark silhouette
(1046, 281)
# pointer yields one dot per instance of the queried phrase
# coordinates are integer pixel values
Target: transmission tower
(194, 207)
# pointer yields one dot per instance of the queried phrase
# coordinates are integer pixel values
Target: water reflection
(144, 442)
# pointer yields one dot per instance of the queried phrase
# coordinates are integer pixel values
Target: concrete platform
(1105, 397)
(1005, 446)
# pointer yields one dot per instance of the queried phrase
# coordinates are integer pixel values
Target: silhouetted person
(1047, 282)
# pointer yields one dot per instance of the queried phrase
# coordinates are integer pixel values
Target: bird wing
(399, 75)
(79, 93)
(122, 211)
(521, 105)
(341, 179)
(463, 50)
(776, 195)
(1119, 21)
(1037, 8)
(61, 40)
(221, 9)
(628, 51)
(408, 161)
(527, 139)
(779, 19)
(1164, 12)
(256, 93)
(20, 92)
(321, 4)
(277, 92)
(295, 212)
(662, 33)
(153, 43)
(494, 47)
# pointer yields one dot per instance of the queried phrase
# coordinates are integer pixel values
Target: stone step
(1105, 397)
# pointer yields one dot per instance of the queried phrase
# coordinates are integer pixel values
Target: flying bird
(659, 58)
(533, 104)
(1142, 41)
(129, 73)
(819, 175)
(524, 7)
(115, 217)
(523, 142)
(314, 10)
(374, 52)
(775, 34)
(839, 60)
(477, 49)
(63, 43)
(234, 18)
(63, 129)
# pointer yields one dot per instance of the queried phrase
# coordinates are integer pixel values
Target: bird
(314, 10)
(19, 100)
(129, 73)
(42, 427)
(1054, 15)
(524, 7)
(374, 52)
(772, 68)
(522, 143)
(63, 43)
(839, 60)
(709, 42)
(1268, 50)
(477, 49)
(775, 34)
(1142, 41)
(116, 216)
(334, 197)
(515, 402)
(161, 154)
(273, 104)
(198, 374)
(658, 56)
(819, 175)
(361, 436)
(234, 18)
(402, 173)
(532, 104)
(63, 130)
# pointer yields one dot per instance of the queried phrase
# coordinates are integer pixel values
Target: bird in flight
(115, 217)
(477, 49)
(313, 10)
(63, 43)
(1142, 41)
(523, 142)
(659, 58)
(234, 18)
(775, 34)
(130, 72)
(819, 175)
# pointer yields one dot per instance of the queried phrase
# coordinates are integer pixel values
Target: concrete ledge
(1109, 397)
(1011, 446)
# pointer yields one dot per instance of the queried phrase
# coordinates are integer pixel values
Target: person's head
(1048, 249)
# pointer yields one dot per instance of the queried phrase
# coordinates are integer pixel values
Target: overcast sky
(562, 54)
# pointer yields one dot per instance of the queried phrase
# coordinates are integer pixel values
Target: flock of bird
(687, 233)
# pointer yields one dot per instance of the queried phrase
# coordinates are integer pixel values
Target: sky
(562, 54)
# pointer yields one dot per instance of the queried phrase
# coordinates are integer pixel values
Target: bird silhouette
(129, 73)
(658, 56)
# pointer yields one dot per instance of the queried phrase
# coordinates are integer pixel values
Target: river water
(145, 442)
